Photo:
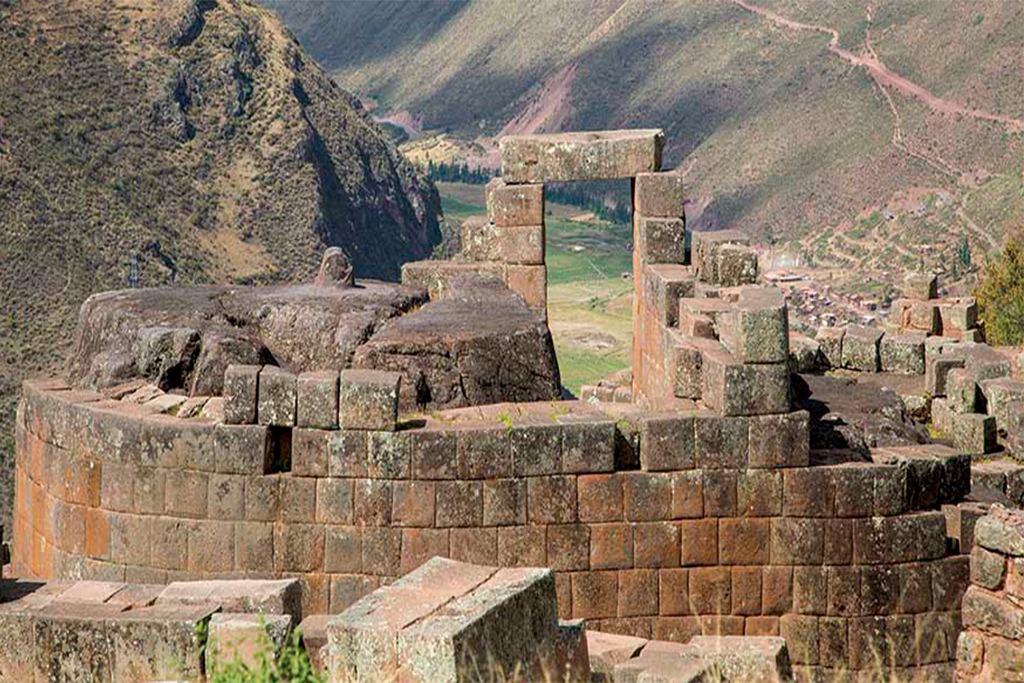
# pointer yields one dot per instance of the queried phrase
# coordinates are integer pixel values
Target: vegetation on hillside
(778, 135)
(189, 141)
(1000, 294)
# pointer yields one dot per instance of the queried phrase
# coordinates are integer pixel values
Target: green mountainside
(177, 142)
(778, 134)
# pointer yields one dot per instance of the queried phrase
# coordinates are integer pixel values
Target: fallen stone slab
(449, 621)
(722, 659)
(478, 345)
(598, 155)
(607, 650)
(743, 659)
(281, 596)
(184, 338)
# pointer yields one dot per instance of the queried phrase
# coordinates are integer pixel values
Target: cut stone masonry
(687, 504)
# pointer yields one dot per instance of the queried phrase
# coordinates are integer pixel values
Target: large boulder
(479, 343)
(184, 338)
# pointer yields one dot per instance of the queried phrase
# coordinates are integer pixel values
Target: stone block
(961, 391)
(647, 496)
(611, 546)
(1001, 531)
(318, 399)
(600, 497)
(487, 242)
(664, 285)
(314, 640)
(666, 443)
(536, 448)
(241, 449)
(735, 265)
(157, 642)
(986, 612)
(1001, 395)
(442, 279)
(805, 354)
(861, 348)
(974, 433)
(987, 568)
(756, 328)
(240, 383)
(245, 639)
(599, 155)
(277, 401)
(920, 286)
(368, 400)
(588, 444)
(683, 363)
(937, 369)
(310, 451)
(958, 315)
(745, 659)
(514, 205)
(389, 454)
(459, 504)
(719, 489)
(413, 502)
(731, 387)
(720, 442)
(759, 493)
(444, 617)
(910, 314)
(903, 353)
(529, 282)
(606, 650)
(551, 500)
(252, 596)
(662, 240)
(781, 440)
(830, 340)
(659, 194)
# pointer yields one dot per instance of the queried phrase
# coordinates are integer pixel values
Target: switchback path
(882, 74)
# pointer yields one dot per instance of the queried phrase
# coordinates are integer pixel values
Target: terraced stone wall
(663, 525)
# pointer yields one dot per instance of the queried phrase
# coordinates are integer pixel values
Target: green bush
(1000, 294)
(290, 665)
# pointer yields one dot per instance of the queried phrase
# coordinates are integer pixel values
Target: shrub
(1000, 294)
(290, 665)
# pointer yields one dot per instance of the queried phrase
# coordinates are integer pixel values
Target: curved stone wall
(662, 525)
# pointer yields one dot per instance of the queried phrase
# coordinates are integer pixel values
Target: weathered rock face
(859, 416)
(185, 338)
(480, 344)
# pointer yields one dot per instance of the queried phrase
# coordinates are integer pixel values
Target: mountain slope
(780, 132)
(188, 141)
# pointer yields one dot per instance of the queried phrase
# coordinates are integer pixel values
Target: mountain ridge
(793, 135)
(182, 142)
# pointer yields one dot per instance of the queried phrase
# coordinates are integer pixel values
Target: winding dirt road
(882, 74)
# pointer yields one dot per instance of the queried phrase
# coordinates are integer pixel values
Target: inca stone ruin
(391, 467)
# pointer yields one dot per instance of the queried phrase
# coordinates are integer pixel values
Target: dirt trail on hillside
(882, 74)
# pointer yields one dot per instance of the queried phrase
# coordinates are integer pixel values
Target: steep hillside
(177, 142)
(797, 120)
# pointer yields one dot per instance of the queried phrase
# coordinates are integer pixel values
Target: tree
(1000, 294)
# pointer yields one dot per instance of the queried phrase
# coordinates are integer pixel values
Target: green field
(589, 303)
